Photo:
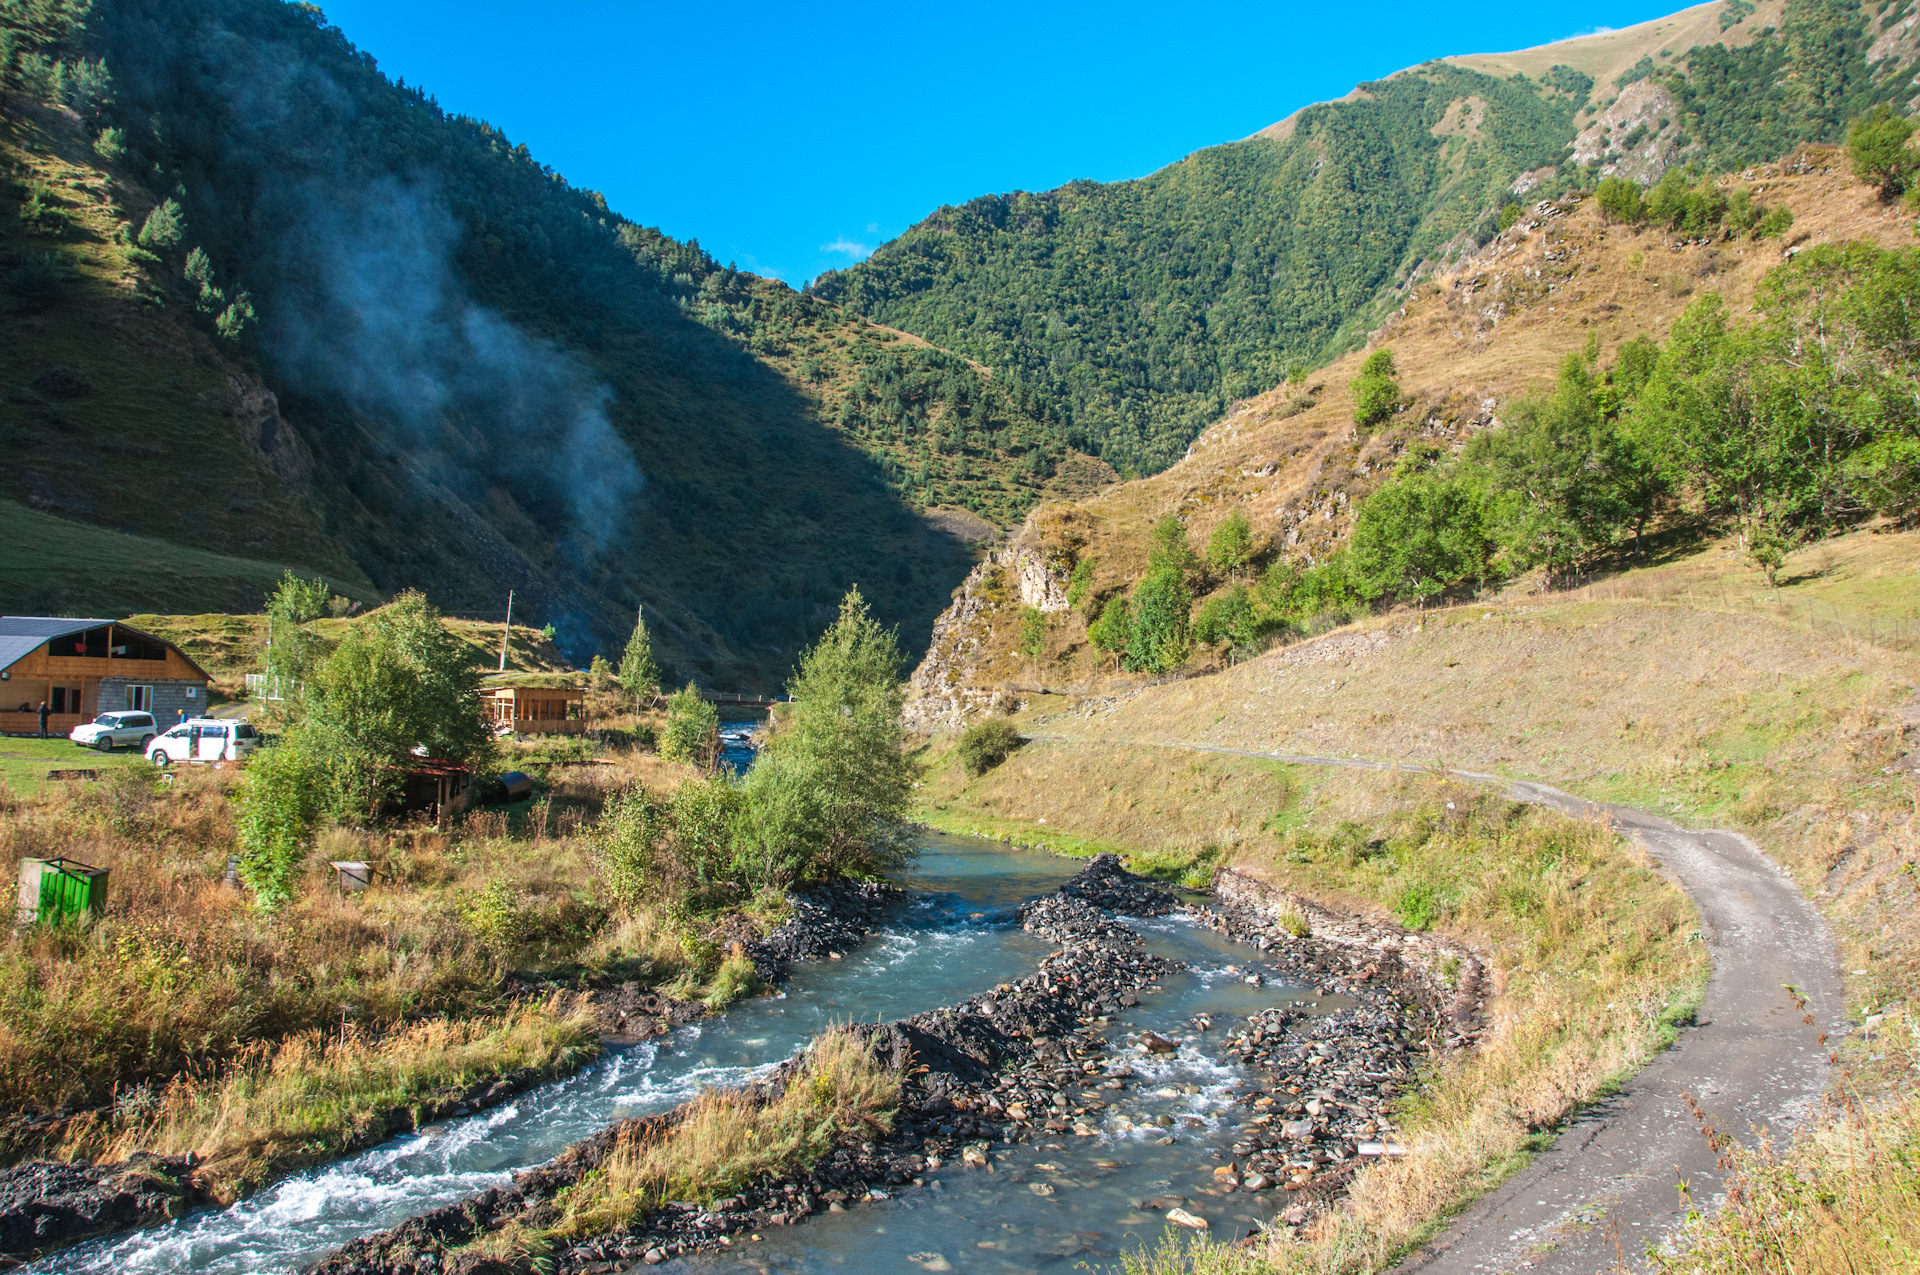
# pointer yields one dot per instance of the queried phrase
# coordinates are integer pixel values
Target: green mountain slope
(1137, 311)
(265, 303)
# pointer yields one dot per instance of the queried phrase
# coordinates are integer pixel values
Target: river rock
(46, 1204)
(1192, 1221)
(1154, 1042)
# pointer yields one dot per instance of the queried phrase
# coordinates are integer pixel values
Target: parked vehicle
(114, 730)
(204, 739)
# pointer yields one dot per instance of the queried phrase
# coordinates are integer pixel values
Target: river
(1042, 1202)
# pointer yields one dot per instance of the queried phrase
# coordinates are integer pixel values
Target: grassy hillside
(1139, 311)
(267, 304)
(1468, 342)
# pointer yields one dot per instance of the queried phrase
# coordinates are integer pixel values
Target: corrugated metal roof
(20, 635)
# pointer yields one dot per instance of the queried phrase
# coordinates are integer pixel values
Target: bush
(1621, 201)
(497, 917)
(985, 745)
(736, 978)
(1877, 149)
(692, 730)
(1376, 389)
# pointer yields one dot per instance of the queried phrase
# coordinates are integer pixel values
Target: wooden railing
(58, 724)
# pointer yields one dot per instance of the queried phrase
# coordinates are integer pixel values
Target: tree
(1112, 632)
(1621, 201)
(292, 648)
(1162, 629)
(692, 730)
(1169, 550)
(639, 674)
(1230, 547)
(600, 675)
(828, 796)
(1541, 467)
(164, 227)
(1877, 149)
(398, 682)
(1375, 388)
(1418, 534)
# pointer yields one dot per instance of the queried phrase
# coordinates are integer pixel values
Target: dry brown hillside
(1465, 341)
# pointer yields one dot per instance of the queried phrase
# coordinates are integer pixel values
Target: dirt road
(1610, 1189)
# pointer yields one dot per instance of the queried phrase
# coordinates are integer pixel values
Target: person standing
(43, 719)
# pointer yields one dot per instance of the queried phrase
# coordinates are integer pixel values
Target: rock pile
(46, 1205)
(827, 921)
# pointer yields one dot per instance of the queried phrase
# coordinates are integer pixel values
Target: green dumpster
(60, 889)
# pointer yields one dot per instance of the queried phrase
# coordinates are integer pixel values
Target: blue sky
(795, 138)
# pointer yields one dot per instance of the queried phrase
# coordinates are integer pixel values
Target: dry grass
(726, 1139)
(280, 1106)
(1844, 1199)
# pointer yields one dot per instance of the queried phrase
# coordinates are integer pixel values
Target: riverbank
(195, 1143)
(1028, 1061)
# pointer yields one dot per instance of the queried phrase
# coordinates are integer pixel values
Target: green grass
(56, 566)
(24, 763)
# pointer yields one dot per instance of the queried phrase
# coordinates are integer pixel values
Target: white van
(204, 739)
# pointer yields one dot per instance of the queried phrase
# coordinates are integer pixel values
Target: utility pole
(507, 637)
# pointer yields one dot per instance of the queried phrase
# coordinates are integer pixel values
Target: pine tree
(639, 674)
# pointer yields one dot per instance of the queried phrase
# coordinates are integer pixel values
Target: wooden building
(82, 668)
(536, 710)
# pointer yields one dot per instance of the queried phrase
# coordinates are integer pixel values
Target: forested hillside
(1605, 383)
(263, 301)
(1137, 312)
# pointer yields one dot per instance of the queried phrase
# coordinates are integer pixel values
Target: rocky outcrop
(1636, 136)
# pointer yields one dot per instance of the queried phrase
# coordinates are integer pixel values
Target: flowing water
(954, 938)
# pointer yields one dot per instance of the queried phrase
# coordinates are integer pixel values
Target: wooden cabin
(82, 668)
(536, 710)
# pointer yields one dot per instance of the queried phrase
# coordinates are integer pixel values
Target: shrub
(986, 744)
(1376, 389)
(164, 227)
(1622, 201)
(632, 827)
(692, 729)
(1877, 149)
(497, 916)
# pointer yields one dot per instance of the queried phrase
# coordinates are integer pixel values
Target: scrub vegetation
(727, 1139)
(275, 1019)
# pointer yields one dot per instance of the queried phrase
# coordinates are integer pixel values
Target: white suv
(204, 739)
(110, 730)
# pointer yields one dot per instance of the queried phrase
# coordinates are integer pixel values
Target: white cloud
(847, 246)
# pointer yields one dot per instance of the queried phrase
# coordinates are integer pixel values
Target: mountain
(267, 307)
(1469, 343)
(1137, 312)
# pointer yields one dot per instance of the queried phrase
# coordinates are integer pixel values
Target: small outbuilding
(536, 710)
(82, 668)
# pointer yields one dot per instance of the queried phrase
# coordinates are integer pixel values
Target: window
(107, 719)
(135, 719)
(141, 698)
(178, 732)
(66, 699)
(213, 732)
(244, 731)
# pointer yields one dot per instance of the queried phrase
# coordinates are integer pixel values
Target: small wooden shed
(536, 710)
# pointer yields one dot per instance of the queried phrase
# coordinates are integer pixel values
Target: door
(213, 744)
(140, 698)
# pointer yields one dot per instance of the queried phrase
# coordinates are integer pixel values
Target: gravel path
(1608, 1190)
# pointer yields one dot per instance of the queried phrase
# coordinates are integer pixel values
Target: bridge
(744, 699)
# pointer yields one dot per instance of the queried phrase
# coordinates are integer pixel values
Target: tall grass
(282, 1105)
(1843, 1199)
(727, 1139)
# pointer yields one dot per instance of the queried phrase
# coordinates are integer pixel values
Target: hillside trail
(1625, 1171)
